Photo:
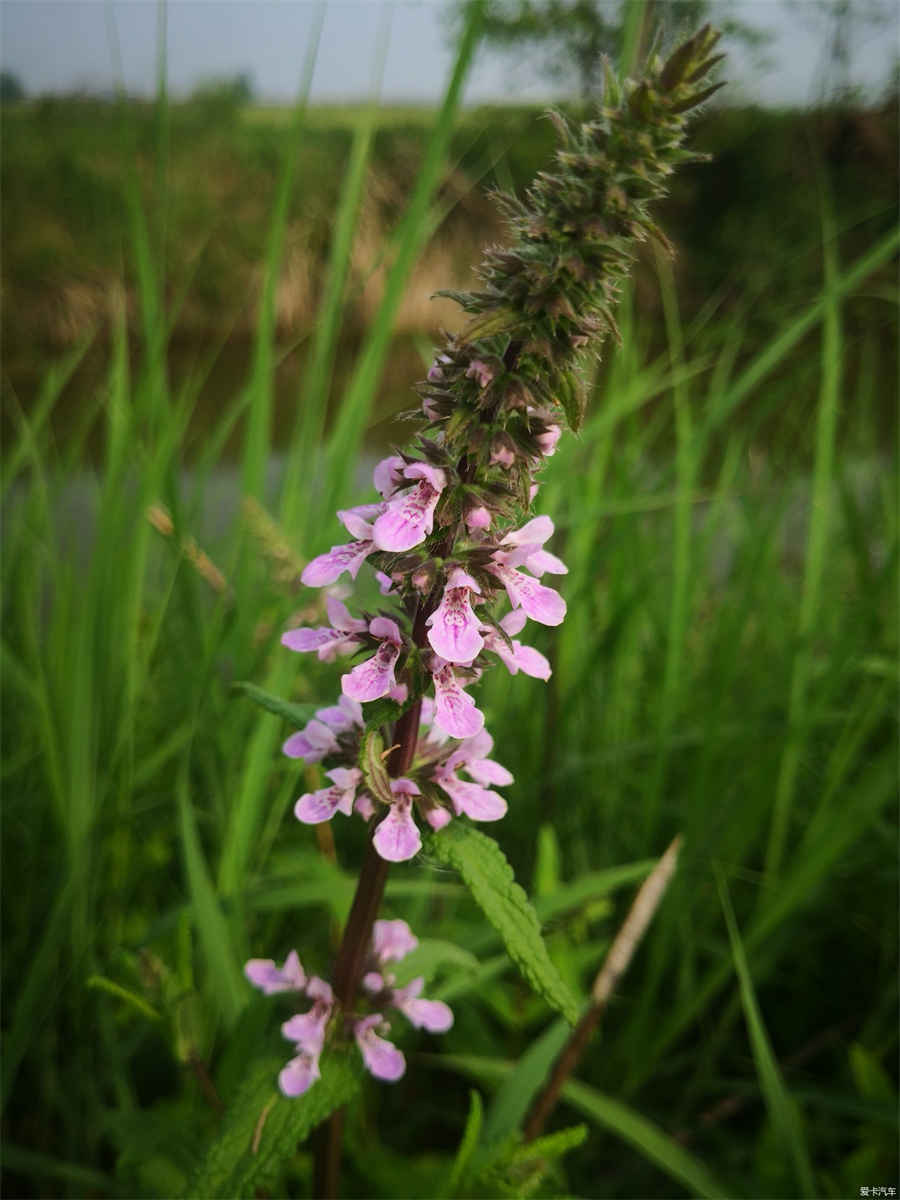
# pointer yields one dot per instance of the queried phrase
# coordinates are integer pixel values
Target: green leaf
(646, 1137)
(467, 1146)
(297, 714)
(262, 1128)
(550, 1146)
(514, 1096)
(573, 400)
(783, 1111)
(489, 878)
(385, 711)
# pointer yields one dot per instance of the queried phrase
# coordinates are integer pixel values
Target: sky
(63, 45)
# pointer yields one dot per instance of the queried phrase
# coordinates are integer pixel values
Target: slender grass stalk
(816, 549)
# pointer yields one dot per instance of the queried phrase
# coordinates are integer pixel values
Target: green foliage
(262, 1129)
(295, 714)
(490, 879)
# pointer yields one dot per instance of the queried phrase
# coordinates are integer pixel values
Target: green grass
(727, 670)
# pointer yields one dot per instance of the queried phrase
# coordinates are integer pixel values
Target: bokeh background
(222, 228)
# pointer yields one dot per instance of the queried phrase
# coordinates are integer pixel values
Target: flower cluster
(307, 1031)
(459, 559)
(457, 638)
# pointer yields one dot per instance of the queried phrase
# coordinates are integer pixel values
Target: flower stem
(354, 946)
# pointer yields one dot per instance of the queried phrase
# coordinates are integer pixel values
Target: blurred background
(222, 228)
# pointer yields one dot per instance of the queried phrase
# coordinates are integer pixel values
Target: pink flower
(453, 632)
(340, 638)
(329, 567)
(409, 517)
(516, 657)
(313, 743)
(397, 838)
(455, 710)
(471, 756)
(342, 716)
(541, 603)
(433, 1015)
(527, 549)
(382, 1058)
(315, 807)
(270, 979)
(307, 1032)
(392, 941)
(375, 677)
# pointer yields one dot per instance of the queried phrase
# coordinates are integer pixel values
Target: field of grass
(727, 671)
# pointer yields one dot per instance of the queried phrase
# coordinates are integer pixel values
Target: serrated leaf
(297, 714)
(262, 1129)
(489, 877)
(385, 711)
(552, 1145)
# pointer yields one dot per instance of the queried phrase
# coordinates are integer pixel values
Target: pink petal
(381, 1057)
(408, 520)
(453, 632)
(374, 678)
(340, 618)
(304, 639)
(328, 567)
(307, 1030)
(383, 627)
(318, 989)
(522, 658)
(478, 518)
(437, 816)
(313, 742)
(392, 940)
(358, 521)
(433, 1015)
(547, 440)
(270, 979)
(299, 1075)
(540, 603)
(316, 807)
(364, 805)
(404, 787)
(455, 709)
(542, 562)
(514, 622)
(485, 771)
(387, 475)
(345, 777)
(385, 583)
(534, 533)
(397, 838)
(476, 802)
(421, 470)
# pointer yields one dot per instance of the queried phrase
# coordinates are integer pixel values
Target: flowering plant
(461, 561)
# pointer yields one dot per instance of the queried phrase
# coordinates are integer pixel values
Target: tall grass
(727, 670)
